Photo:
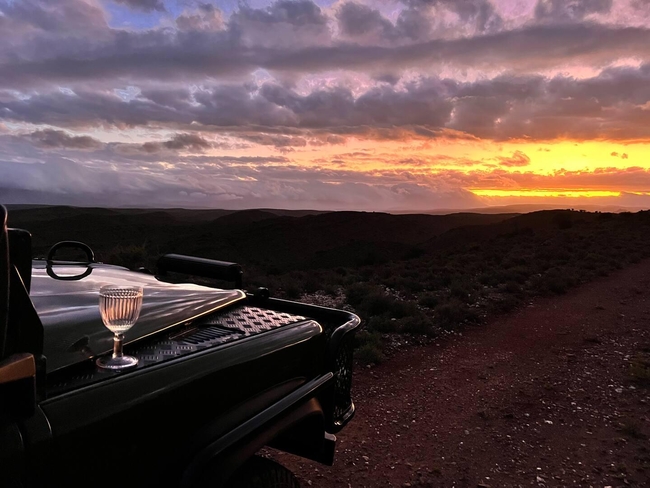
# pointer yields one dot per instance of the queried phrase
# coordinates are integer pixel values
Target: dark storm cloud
(62, 17)
(356, 20)
(206, 17)
(293, 12)
(72, 44)
(611, 105)
(285, 24)
(570, 10)
(480, 13)
(361, 23)
(50, 138)
(187, 141)
(144, 5)
(192, 142)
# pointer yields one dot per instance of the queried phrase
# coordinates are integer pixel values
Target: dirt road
(541, 397)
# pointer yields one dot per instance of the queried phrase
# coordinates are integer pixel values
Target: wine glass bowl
(120, 308)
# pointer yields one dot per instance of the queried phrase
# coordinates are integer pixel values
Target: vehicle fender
(217, 461)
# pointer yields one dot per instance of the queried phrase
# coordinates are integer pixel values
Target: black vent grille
(343, 406)
(250, 320)
(208, 334)
(212, 330)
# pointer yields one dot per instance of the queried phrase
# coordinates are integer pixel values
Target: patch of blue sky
(229, 6)
(20, 95)
(326, 3)
(66, 91)
(127, 94)
(121, 16)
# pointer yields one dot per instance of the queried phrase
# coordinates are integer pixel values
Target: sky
(386, 105)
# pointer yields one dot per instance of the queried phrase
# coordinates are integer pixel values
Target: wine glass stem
(117, 345)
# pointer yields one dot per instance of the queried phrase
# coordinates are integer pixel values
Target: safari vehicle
(220, 374)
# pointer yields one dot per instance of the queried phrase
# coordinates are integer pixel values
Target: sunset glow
(546, 193)
(358, 104)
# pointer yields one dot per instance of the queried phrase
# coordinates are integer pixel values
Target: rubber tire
(259, 472)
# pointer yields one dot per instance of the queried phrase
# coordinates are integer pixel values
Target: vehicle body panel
(70, 314)
(221, 374)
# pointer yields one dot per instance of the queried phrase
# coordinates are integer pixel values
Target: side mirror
(18, 386)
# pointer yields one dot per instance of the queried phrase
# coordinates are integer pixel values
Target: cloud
(187, 141)
(191, 142)
(108, 174)
(570, 10)
(481, 14)
(622, 156)
(286, 24)
(517, 160)
(206, 17)
(611, 105)
(257, 84)
(225, 181)
(72, 44)
(279, 141)
(50, 138)
(356, 20)
(34, 18)
(144, 5)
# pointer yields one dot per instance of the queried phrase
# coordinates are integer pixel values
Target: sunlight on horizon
(295, 103)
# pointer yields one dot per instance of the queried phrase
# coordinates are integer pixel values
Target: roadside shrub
(557, 281)
(453, 313)
(506, 304)
(312, 283)
(383, 324)
(460, 288)
(419, 324)
(368, 337)
(402, 308)
(489, 278)
(376, 303)
(512, 287)
(429, 300)
(370, 347)
(369, 354)
(291, 289)
(357, 292)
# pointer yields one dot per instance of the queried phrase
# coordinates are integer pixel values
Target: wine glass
(120, 308)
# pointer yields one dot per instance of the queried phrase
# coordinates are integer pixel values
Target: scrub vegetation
(420, 275)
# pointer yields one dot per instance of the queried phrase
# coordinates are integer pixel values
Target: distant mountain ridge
(284, 237)
(280, 239)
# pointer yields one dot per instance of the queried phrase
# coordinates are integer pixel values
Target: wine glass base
(117, 363)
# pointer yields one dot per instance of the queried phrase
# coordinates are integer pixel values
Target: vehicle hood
(66, 298)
